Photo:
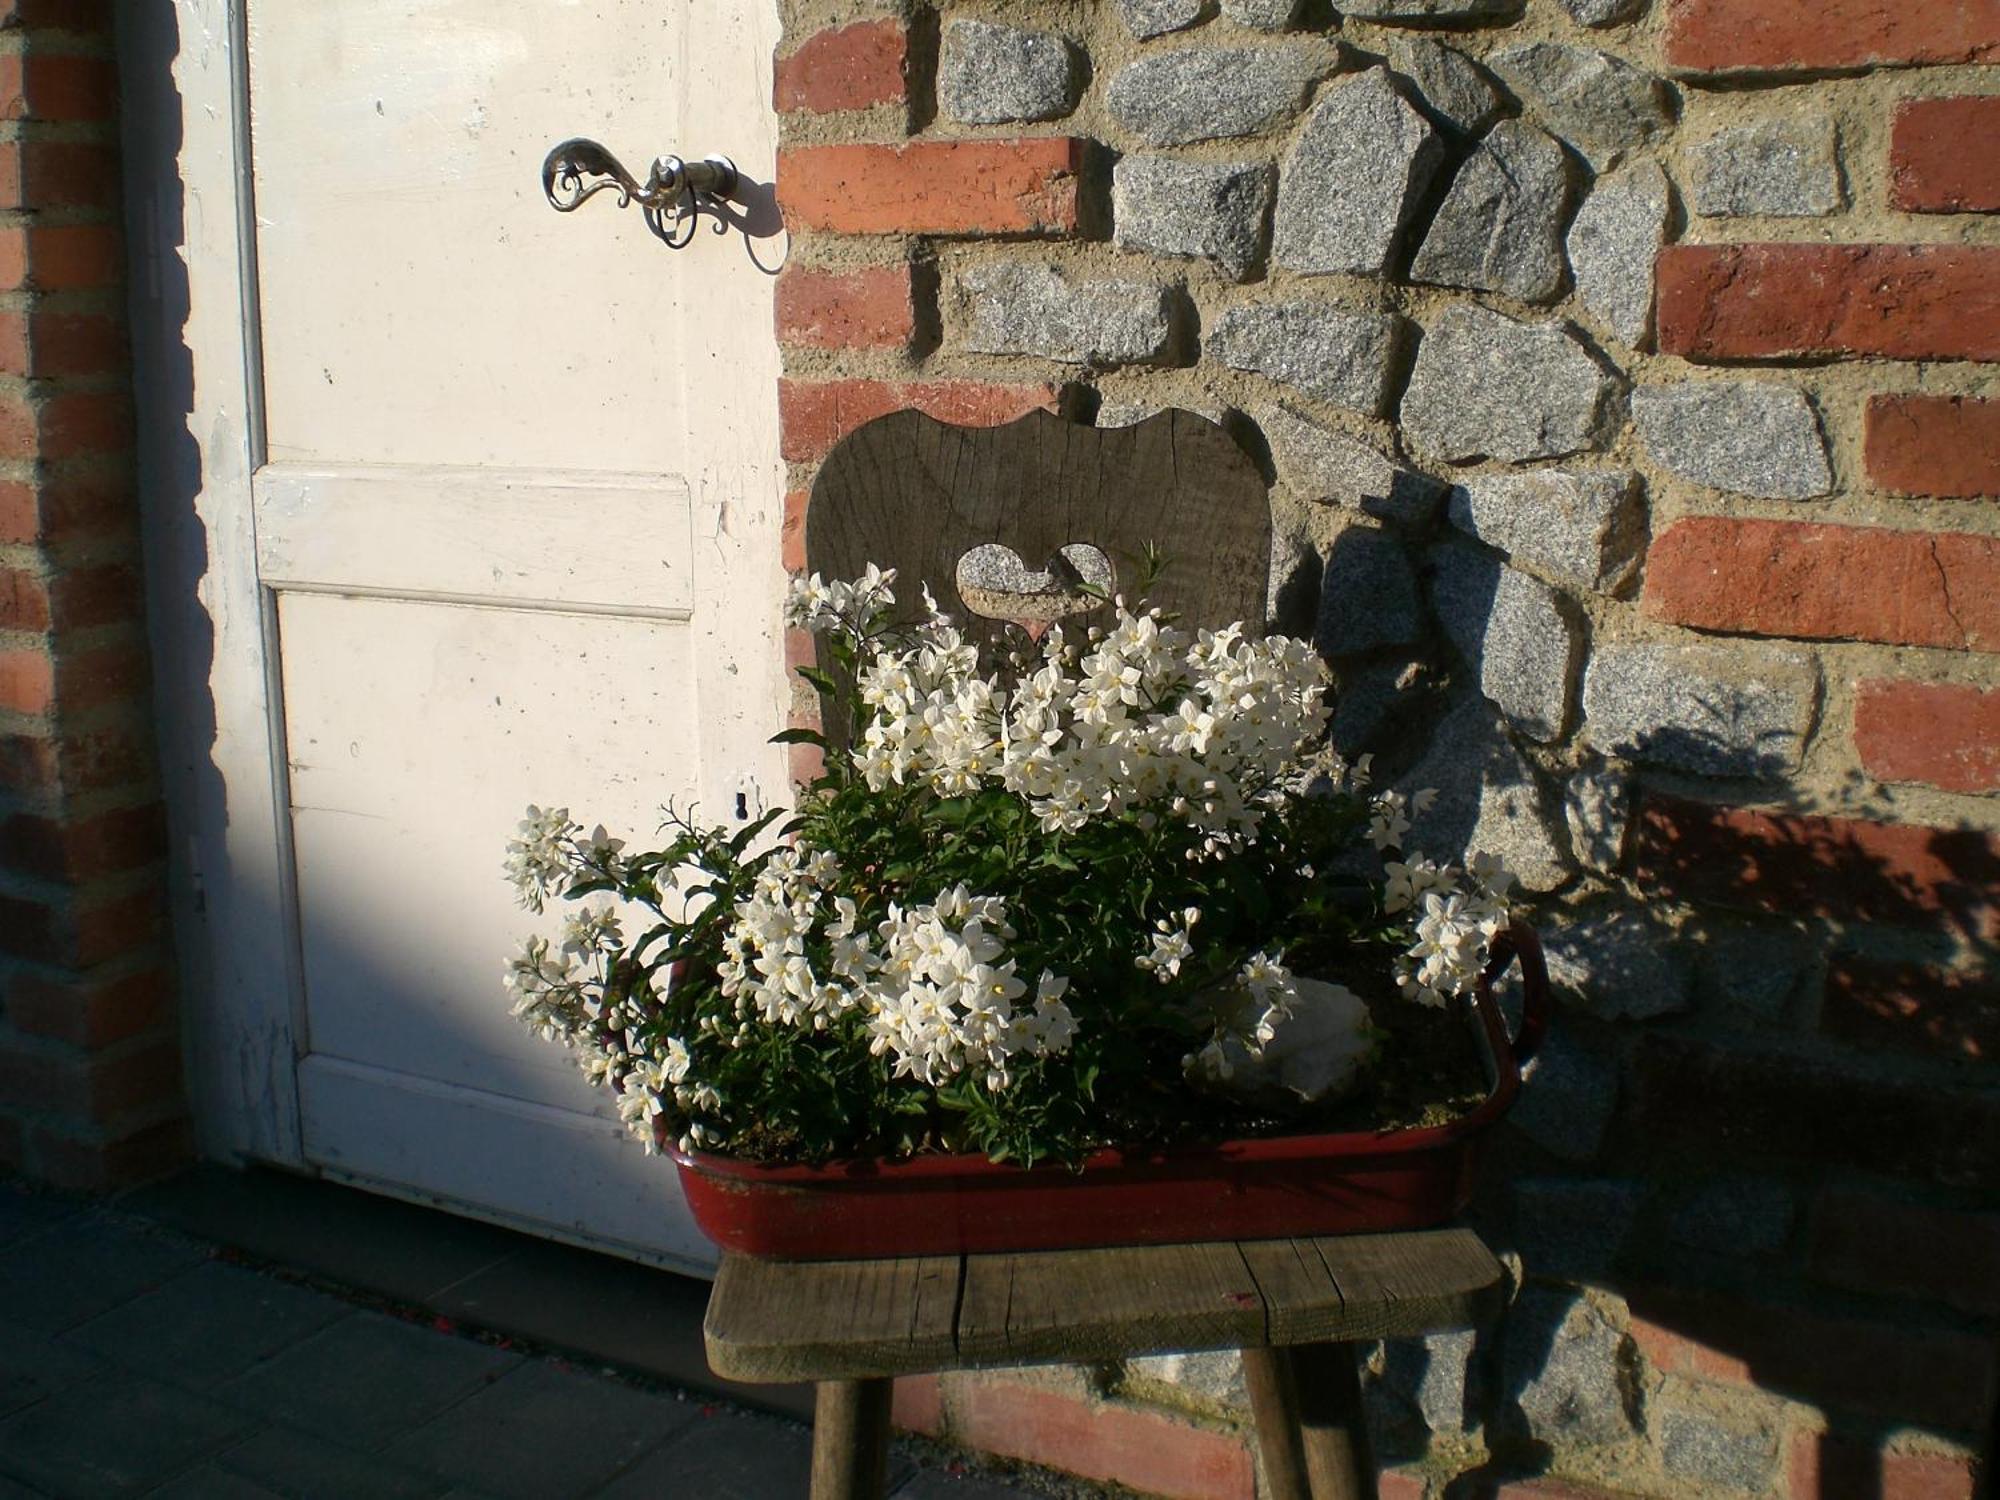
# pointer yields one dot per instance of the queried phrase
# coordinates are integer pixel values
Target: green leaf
(798, 737)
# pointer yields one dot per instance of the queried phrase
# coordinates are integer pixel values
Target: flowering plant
(1032, 906)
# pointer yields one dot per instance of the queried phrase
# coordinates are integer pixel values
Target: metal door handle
(674, 193)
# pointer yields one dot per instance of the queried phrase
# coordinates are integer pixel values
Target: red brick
(14, 357)
(1784, 578)
(918, 1404)
(815, 416)
(85, 422)
(75, 600)
(86, 679)
(84, 762)
(1867, 1241)
(1889, 1369)
(93, 1162)
(1853, 869)
(849, 67)
(91, 17)
(60, 257)
(38, 1078)
(868, 309)
(41, 174)
(24, 600)
(1935, 445)
(77, 849)
(1724, 302)
(792, 539)
(1693, 1103)
(1714, 36)
(27, 681)
(143, 1081)
(933, 187)
(67, 507)
(90, 1013)
(805, 763)
(1139, 1449)
(799, 649)
(1825, 1466)
(1913, 1008)
(1942, 157)
(1942, 734)
(61, 343)
(115, 927)
(65, 86)
(31, 929)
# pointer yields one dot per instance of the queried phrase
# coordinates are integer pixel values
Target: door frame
(197, 364)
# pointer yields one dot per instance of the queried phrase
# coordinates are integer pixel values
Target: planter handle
(1518, 940)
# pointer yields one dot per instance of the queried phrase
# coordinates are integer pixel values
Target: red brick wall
(1865, 1098)
(90, 1092)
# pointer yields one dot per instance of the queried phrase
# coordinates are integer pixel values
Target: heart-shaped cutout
(996, 584)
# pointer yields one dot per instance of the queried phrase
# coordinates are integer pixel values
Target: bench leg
(851, 1439)
(1310, 1427)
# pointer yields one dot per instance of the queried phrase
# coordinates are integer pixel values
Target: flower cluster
(1132, 717)
(935, 986)
(1028, 910)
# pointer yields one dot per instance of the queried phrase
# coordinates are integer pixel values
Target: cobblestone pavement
(136, 1360)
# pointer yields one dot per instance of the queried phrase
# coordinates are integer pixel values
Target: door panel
(496, 570)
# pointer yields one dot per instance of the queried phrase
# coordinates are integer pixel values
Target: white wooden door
(515, 498)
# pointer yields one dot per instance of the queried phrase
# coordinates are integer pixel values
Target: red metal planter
(1351, 1183)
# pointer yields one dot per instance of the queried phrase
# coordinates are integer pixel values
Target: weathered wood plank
(1415, 1282)
(1301, 1298)
(819, 1320)
(908, 492)
(1103, 1304)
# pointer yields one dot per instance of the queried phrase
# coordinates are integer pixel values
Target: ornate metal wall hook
(673, 195)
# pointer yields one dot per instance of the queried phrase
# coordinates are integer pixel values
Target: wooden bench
(1295, 1308)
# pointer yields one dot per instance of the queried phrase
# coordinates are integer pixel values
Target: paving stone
(367, 1379)
(938, 1484)
(1368, 594)
(1602, 12)
(1748, 437)
(1026, 307)
(207, 1326)
(1787, 167)
(1328, 352)
(541, 1433)
(1579, 526)
(1570, 1228)
(727, 1456)
(1363, 159)
(1499, 228)
(113, 1436)
(1150, 18)
(210, 1483)
(1262, 15)
(300, 1466)
(1488, 799)
(1599, 103)
(1209, 93)
(1563, 1363)
(1336, 468)
(24, 1211)
(1696, 1448)
(1613, 244)
(1485, 386)
(1568, 1108)
(84, 1265)
(995, 75)
(1711, 709)
(1623, 965)
(1514, 631)
(33, 1365)
(1597, 807)
(1454, 87)
(1118, 411)
(1201, 210)
(1432, 12)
